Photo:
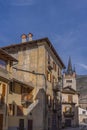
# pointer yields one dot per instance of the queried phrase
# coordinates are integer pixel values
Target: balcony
(67, 102)
(4, 73)
(26, 99)
(68, 114)
(56, 86)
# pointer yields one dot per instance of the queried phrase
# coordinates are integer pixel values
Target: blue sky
(64, 22)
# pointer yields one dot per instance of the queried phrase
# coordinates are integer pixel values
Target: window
(3, 89)
(54, 66)
(48, 59)
(70, 98)
(84, 112)
(24, 90)
(58, 71)
(17, 88)
(19, 111)
(1, 99)
(49, 76)
(68, 81)
(2, 92)
(11, 109)
(21, 124)
(10, 87)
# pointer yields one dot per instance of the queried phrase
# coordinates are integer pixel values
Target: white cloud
(83, 66)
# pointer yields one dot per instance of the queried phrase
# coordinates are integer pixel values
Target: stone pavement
(72, 128)
(77, 128)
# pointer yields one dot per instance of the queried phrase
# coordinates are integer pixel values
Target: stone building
(81, 83)
(6, 62)
(82, 116)
(35, 97)
(69, 97)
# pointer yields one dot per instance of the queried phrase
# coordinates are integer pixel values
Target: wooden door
(1, 121)
(68, 122)
(21, 124)
(30, 124)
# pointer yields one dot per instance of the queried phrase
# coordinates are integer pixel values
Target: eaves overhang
(37, 43)
(5, 56)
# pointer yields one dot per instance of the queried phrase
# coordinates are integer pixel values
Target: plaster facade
(38, 69)
(5, 74)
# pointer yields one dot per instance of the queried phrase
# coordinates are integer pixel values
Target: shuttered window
(3, 89)
(49, 76)
(11, 109)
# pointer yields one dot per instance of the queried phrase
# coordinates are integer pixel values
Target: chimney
(30, 35)
(24, 38)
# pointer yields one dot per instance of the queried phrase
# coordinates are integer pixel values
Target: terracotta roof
(33, 43)
(5, 56)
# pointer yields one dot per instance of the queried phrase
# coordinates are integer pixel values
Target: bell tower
(69, 76)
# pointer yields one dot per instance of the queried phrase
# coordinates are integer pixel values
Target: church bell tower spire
(69, 68)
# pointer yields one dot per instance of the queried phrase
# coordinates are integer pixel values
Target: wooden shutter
(3, 89)
(10, 109)
(51, 78)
